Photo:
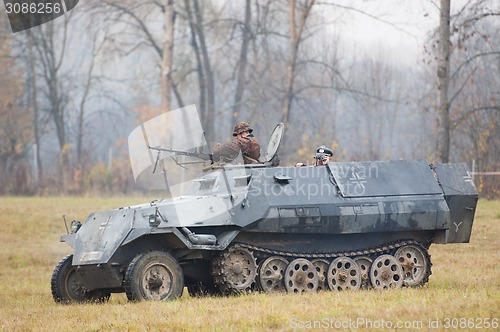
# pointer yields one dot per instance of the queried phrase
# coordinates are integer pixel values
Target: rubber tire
(63, 294)
(134, 287)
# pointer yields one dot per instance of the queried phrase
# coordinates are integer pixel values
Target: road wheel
(67, 286)
(364, 264)
(344, 274)
(301, 276)
(154, 275)
(386, 272)
(416, 264)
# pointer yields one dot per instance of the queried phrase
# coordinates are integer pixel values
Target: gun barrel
(204, 156)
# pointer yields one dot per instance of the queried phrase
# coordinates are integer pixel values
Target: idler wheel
(364, 264)
(344, 274)
(321, 266)
(416, 265)
(301, 276)
(272, 274)
(386, 272)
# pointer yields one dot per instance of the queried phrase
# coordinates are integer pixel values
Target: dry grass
(465, 284)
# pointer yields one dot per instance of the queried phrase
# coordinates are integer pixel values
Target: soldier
(323, 155)
(243, 141)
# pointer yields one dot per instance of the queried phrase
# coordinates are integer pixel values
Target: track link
(221, 270)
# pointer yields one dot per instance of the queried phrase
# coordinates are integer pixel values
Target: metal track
(379, 250)
(219, 271)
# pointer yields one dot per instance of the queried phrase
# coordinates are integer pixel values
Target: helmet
(241, 127)
(324, 150)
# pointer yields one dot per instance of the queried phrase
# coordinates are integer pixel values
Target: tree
(203, 67)
(242, 63)
(475, 76)
(454, 34)
(51, 56)
(61, 80)
(443, 80)
(296, 30)
(32, 86)
(15, 122)
(167, 63)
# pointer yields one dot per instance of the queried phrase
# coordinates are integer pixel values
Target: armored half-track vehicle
(260, 227)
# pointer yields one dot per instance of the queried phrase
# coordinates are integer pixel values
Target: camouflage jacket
(228, 151)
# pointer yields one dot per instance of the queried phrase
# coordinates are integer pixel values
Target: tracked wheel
(271, 276)
(154, 275)
(321, 266)
(386, 272)
(364, 264)
(301, 276)
(234, 270)
(344, 274)
(416, 264)
(67, 287)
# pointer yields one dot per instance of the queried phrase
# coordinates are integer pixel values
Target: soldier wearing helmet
(243, 141)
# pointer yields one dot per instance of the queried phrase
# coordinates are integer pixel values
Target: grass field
(463, 291)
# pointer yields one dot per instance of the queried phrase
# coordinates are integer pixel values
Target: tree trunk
(443, 80)
(210, 98)
(81, 111)
(295, 39)
(291, 63)
(33, 101)
(240, 85)
(167, 57)
(199, 64)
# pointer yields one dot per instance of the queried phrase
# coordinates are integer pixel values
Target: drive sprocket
(234, 270)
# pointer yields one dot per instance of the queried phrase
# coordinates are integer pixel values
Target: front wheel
(67, 287)
(154, 275)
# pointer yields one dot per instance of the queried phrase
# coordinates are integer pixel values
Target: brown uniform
(249, 147)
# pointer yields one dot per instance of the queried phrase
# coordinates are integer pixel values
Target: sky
(396, 29)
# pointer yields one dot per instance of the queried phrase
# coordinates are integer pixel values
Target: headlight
(75, 226)
(154, 220)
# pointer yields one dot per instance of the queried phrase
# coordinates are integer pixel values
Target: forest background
(373, 80)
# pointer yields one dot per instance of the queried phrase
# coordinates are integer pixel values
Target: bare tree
(296, 30)
(49, 62)
(443, 81)
(15, 121)
(454, 34)
(133, 16)
(60, 91)
(206, 84)
(242, 63)
(36, 111)
(167, 55)
(88, 84)
(208, 114)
